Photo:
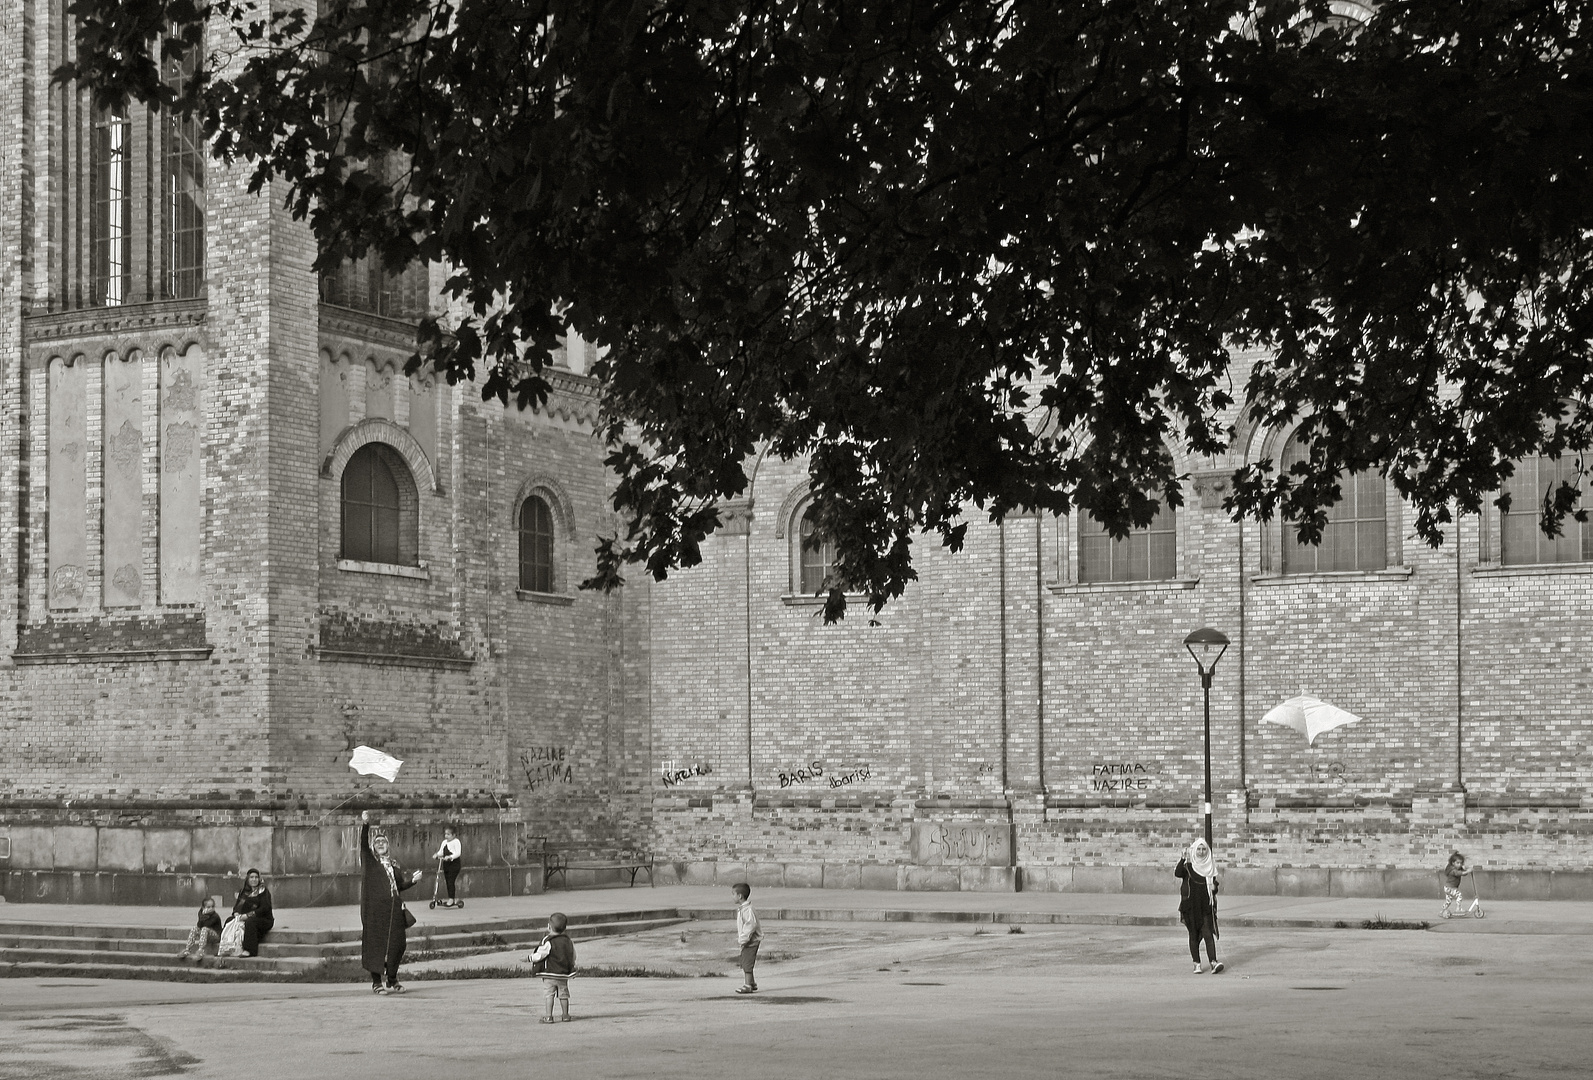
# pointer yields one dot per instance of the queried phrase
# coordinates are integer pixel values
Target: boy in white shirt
(749, 934)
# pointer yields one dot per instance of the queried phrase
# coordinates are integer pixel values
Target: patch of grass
(1014, 929)
(1377, 922)
(980, 931)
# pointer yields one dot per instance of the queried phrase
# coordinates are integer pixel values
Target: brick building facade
(199, 635)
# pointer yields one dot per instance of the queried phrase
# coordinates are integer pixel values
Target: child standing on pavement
(749, 935)
(1452, 873)
(553, 961)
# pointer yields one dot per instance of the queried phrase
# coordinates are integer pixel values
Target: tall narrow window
(536, 546)
(183, 252)
(110, 222)
(816, 561)
(1148, 554)
(371, 509)
(1521, 541)
(1356, 535)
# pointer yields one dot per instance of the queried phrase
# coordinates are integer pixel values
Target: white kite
(365, 761)
(1310, 716)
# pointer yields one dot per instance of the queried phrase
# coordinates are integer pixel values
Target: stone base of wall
(1322, 881)
(287, 890)
(888, 876)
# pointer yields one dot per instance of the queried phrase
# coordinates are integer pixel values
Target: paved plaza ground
(1508, 996)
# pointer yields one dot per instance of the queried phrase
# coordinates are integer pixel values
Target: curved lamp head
(1206, 646)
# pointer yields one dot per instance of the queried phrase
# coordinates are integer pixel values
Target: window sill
(804, 600)
(1149, 585)
(556, 599)
(357, 566)
(1532, 569)
(1336, 577)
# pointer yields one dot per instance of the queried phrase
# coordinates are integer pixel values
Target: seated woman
(253, 906)
(206, 934)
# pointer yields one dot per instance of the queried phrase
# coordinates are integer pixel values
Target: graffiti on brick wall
(1121, 776)
(810, 773)
(679, 774)
(961, 843)
(1327, 772)
(545, 766)
(857, 775)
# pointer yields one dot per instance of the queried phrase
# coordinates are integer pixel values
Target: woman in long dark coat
(1197, 903)
(383, 938)
(253, 906)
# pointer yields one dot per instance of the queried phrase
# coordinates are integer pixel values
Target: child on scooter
(1451, 874)
(449, 858)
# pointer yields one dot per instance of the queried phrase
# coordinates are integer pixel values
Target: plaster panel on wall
(334, 399)
(423, 417)
(124, 496)
(379, 393)
(67, 406)
(181, 428)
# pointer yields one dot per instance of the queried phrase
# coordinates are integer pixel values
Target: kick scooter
(436, 889)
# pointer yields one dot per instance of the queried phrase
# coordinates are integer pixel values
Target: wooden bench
(629, 859)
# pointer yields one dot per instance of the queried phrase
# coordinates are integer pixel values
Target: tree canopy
(969, 253)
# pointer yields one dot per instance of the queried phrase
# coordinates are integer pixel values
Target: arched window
(1356, 534)
(1148, 554)
(375, 483)
(536, 545)
(1521, 541)
(815, 563)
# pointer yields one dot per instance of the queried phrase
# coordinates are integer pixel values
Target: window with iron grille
(536, 545)
(1521, 539)
(1356, 534)
(127, 205)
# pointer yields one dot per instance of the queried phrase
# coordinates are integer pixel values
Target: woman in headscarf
(1197, 904)
(382, 937)
(253, 906)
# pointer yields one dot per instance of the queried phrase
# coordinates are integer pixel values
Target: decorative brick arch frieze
(382, 431)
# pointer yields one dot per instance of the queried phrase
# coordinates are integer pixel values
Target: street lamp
(1207, 646)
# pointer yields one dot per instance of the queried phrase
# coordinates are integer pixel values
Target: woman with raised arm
(382, 921)
(1197, 904)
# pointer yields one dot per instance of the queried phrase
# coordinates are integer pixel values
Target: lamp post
(1207, 646)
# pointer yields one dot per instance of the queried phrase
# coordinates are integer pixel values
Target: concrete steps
(151, 952)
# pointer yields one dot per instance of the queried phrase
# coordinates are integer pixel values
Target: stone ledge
(356, 656)
(1335, 577)
(553, 599)
(109, 656)
(1068, 588)
(359, 566)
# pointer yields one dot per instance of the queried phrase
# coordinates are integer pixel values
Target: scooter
(1476, 899)
(436, 890)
